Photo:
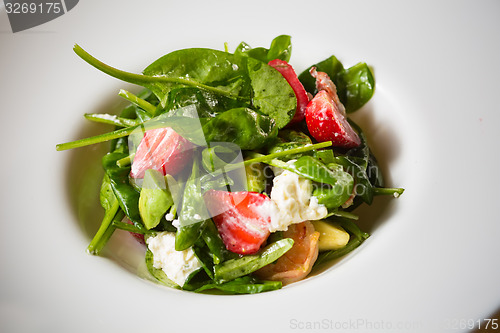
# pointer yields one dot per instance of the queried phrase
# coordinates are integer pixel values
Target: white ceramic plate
(431, 264)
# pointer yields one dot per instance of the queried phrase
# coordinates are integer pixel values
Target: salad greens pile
(232, 113)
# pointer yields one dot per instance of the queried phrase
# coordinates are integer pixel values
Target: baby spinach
(272, 94)
(242, 285)
(158, 273)
(216, 71)
(208, 104)
(155, 198)
(331, 66)
(281, 48)
(355, 85)
(111, 208)
(193, 213)
(242, 126)
(290, 139)
(235, 268)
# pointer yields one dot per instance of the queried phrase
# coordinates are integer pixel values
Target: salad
(235, 173)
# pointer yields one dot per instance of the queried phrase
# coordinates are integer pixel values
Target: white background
(432, 260)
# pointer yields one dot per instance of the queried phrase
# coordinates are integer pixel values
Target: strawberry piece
(325, 115)
(161, 149)
(289, 74)
(241, 219)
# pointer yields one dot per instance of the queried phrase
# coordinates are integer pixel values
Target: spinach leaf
(272, 94)
(213, 70)
(331, 66)
(208, 104)
(242, 126)
(193, 212)
(281, 48)
(155, 198)
(158, 274)
(111, 209)
(355, 85)
(225, 74)
(290, 139)
(235, 268)
(126, 194)
(311, 168)
(242, 285)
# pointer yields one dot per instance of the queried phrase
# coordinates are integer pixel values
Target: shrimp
(297, 262)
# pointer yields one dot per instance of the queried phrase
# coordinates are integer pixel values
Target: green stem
(263, 158)
(97, 139)
(105, 230)
(342, 213)
(143, 104)
(143, 80)
(256, 157)
(127, 227)
(110, 119)
(388, 191)
(126, 161)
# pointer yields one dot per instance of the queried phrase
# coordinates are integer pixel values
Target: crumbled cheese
(292, 201)
(177, 265)
(169, 216)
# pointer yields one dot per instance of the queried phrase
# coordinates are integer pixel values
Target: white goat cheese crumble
(292, 201)
(177, 265)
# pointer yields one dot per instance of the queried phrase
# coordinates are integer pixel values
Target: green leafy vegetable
(155, 198)
(234, 268)
(355, 85)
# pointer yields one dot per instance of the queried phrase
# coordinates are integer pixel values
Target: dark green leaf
(235, 268)
(281, 48)
(272, 94)
(331, 66)
(356, 86)
(193, 212)
(244, 127)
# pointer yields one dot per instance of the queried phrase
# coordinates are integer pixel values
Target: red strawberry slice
(300, 93)
(161, 149)
(325, 115)
(241, 219)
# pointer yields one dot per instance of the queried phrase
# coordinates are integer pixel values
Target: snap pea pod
(234, 268)
(242, 285)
